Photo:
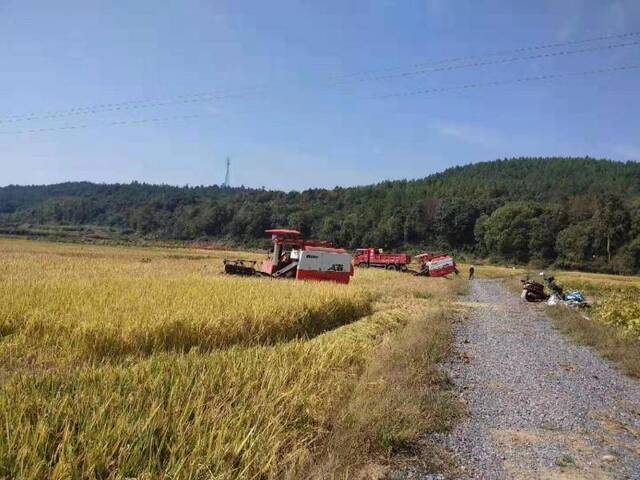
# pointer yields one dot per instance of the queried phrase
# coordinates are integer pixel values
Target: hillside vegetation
(574, 212)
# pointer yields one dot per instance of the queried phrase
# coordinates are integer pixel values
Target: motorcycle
(533, 291)
(553, 286)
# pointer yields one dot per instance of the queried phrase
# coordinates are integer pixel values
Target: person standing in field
(471, 272)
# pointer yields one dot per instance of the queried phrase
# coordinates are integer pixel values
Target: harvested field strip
(24, 259)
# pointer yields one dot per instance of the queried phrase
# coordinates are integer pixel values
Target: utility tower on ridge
(227, 176)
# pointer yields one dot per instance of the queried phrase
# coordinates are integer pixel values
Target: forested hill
(577, 212)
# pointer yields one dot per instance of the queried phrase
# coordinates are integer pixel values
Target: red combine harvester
(374, 257)
(293, 257)
(435, 264)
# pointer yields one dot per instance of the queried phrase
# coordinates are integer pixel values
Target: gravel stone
(538, 405)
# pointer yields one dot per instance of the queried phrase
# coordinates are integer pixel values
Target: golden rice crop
(115, 316)
(616, 298)
(241, 413)
(216, 377)
(31, 259)
(594, 282)
(622, 309)
(93, 307)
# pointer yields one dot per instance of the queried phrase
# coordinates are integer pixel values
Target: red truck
(374, 257)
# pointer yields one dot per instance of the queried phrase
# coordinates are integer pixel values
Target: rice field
(616, 298)
(123, 362)
(89, 318)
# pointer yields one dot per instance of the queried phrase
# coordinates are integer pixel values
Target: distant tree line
(571, 212)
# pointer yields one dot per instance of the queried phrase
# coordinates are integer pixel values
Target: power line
(208, 96)
(106, 108)
(105, 124)
(543, 46)
(200, 98)
(506, 82)
(382, 96)
(502, 61)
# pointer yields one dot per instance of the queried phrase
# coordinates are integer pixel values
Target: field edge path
(538, 405)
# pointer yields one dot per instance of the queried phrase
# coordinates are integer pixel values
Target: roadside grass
(263, 394)
(401, 396)
(608, 340)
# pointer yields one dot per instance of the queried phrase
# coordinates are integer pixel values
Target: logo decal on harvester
(336, 267)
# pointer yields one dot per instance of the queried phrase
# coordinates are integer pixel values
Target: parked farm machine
(294, 257)
(431, 264)
(435, 264)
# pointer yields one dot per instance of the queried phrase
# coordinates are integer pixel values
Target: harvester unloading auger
(294, 257)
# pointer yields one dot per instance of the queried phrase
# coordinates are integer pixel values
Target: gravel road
(538, 405)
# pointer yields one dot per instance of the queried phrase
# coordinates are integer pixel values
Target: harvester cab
(294, 257)
(282, 261)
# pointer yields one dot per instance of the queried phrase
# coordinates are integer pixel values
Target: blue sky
(305, 111)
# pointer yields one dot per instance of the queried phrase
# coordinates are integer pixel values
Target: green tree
(389, 232)
(634, 216)
(575, 243)
(479, 231)
(544, 229)
(460, 208)
(508, 231)
(455, 223)
(303, 222)
(611, 224)
(627, 259)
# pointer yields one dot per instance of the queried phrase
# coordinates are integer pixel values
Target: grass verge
(401, 396)
(608, 340)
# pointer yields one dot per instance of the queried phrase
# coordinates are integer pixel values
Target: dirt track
(538, 405)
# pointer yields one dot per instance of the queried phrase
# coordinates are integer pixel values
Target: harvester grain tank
(294, 257)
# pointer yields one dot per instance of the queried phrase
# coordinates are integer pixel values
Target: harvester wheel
(392, 267)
